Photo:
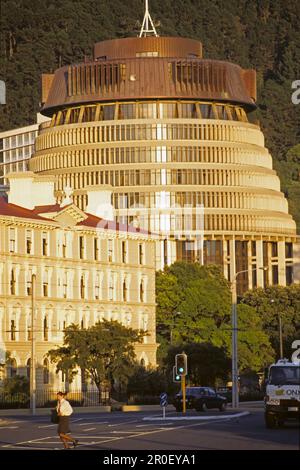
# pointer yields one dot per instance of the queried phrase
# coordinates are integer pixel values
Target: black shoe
(75, 443)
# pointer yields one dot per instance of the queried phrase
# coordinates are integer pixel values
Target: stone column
(281, 263)
(296, 257)
(259, 263)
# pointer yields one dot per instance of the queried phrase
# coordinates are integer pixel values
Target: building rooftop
(89, 220)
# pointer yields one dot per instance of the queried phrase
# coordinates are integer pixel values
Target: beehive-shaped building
(170, 132)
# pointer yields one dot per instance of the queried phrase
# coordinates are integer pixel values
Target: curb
(197, 418)
(46, 411)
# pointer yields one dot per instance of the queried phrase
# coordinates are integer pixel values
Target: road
(124, 431)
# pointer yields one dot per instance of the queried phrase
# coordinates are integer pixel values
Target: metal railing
(48, 399)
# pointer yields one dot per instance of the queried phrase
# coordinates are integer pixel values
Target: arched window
(46, 372)
(12, 368)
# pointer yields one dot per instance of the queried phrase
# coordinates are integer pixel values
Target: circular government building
(169, 135)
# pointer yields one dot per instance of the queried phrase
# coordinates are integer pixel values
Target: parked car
(200, 399)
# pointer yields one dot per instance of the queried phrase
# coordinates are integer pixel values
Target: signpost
(163, 403)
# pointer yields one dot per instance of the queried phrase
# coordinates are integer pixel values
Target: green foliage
(15, 385)
(274, 301)
(207, 364)
(150, 381)
(201, 313)
(104, 351)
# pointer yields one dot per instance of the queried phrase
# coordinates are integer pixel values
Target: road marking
(47, 426)
(132, 436)
(27, 442)
(199, 418)
(9, 427)
(124, 422)
(89, 429)
(96, 422)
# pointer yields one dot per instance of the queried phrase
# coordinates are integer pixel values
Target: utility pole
(235, 385)
(32, 360)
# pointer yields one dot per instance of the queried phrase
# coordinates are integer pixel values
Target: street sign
(163, 399)
(163, 403)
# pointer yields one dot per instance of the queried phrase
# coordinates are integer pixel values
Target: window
(65, 286)
(97, 287)
(46, 329)
(12, 282)
(275, 277)
(274, 249)
(96, 249)
(111, 287)
(124, 252)
(44, 244)
(28, 366)
(64, 246)
(142, 293)
(81, 247)
(12, 368)
(82, 287)
(125, 291)
(141, 254)
(12, 240)
(289, 250)
(46, 372)
(29, 283)
(13, 330)
(28, 241)
(45, 284)
(110, 250)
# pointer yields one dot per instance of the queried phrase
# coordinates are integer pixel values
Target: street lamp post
(234, 321)
(32, 360)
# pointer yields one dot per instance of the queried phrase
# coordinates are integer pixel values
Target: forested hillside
(40, 35)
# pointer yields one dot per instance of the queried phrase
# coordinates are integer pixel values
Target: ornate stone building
(171, 132)
(86, 268)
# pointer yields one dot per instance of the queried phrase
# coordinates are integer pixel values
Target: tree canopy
(272, 302)
(200, 313)
(104, 352)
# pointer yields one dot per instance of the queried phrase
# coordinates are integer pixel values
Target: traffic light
(181, 364)
(176, 377)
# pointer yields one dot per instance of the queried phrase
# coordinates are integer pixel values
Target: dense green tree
(15, 385)
(105, 352)
(271, 302)
(203, 309)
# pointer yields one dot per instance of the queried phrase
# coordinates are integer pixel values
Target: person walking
(64, 411)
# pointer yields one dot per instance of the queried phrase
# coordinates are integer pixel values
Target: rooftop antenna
(145, 31)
